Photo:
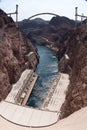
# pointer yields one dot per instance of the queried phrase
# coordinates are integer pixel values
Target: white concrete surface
(26, 116)
(13, 117)
(17, 87)
(29, 117)
(76, 121)
(55, 100)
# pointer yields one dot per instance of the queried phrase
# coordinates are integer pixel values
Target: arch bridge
(43, 14)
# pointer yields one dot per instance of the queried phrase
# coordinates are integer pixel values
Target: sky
(28, 8)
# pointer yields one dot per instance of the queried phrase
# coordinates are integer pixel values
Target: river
(47, 70)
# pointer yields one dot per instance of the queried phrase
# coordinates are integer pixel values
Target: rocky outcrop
(61, 21)
(52, 33)
(76, 66)
(34, 23)
(13, 50)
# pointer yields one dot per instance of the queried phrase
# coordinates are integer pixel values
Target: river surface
(47, 70)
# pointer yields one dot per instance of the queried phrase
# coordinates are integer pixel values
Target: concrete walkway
(26, 116)
(76, 121)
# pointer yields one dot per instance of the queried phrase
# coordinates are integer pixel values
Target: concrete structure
(76, 121)
(79, 15)
(25, 116)
(16, 117)
(29, 117)
(27, 92)
(23, 87)
(57, 94)
(43, 14)
(15, 13)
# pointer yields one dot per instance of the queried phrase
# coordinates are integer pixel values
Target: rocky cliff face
(76, 66)
(13, 51)
(52, 33)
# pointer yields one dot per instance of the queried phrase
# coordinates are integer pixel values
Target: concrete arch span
(43, 14)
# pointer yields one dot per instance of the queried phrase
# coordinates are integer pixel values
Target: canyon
(15, 51)
(60, 34)
(50, 33)
(70, 42)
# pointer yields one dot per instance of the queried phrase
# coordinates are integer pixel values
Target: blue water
(47, 70)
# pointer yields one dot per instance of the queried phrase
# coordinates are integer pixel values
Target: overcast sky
(28, 8)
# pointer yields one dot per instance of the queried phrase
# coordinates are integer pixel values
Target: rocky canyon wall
(13, 51)
(76, 66)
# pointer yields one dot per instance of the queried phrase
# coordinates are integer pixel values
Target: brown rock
(13, 50)
(77, 51)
